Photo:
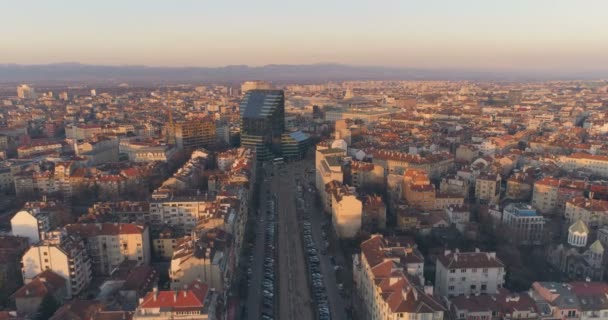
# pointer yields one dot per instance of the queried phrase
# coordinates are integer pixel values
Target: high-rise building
(255, 85)
(26, 92)
(263, 122)
(195, 133)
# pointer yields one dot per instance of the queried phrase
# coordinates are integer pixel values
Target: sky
(458, 34)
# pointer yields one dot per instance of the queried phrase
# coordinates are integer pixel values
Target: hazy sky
(478, 34)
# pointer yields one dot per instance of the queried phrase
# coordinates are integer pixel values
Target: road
(254, 300)
(317, 218)
(293, 299)
(294, 290)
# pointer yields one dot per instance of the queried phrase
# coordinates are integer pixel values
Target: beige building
(468, 273)
(164, 244)
(180, 212)
(454, 185)
(39, 148)
(328, 169)
(487, 188)
(374, 213)
(194, 134)
(550, 194)
(206, 259)
(595, 163)
(387, 276)
(594, 213)
(109, 244)
(63, 254)
(346, 212)
(365, 174)
(82, 132)
(418, 190)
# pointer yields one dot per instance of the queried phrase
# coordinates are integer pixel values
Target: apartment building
(208, 258)
(502, 305)
(487, 188)
(418, 190)
(468, 273)
(195, 133)
(550, 194)
(374, 213)
(328, 169)
(598, 164)
(584, 300)
(594, 213)
(31, 224)
(454, 185)
(180, 212)
(346, 212)
(458, 215)
(365, 174)
(63, 254)
(109, 244)
(387, 276)
(82, 131)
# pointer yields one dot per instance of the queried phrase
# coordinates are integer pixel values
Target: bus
(278, 161)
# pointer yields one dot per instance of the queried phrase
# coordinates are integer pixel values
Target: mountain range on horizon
(278, 73)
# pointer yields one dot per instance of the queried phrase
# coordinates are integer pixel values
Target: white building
(468, 273)
(180, 212)
(31, 224)
(26, 92)
(109, 244)
(346, 212)
(65, 255)
(525, 224)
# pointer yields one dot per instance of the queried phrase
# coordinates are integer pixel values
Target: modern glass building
(294, 145)
(263, 122)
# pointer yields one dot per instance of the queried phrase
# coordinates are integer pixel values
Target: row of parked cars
(270, 253)
(319, 293)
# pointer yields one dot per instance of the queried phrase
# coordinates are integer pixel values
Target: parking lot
(326, 259)
(292, 270)
(262, 268)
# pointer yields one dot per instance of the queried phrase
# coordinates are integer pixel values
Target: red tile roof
(105, 229)
(457, 260)
(192, 297)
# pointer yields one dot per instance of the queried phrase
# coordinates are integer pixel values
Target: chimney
(175, 296)
(155, 292)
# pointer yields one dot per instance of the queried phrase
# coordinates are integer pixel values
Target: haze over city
(471, 34)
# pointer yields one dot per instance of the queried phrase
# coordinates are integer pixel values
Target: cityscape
(245, 182)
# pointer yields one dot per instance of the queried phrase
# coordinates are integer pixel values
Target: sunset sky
(475, 34)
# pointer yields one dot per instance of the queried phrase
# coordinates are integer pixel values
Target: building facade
(263, 122)
(63, 254)
(468, 273)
